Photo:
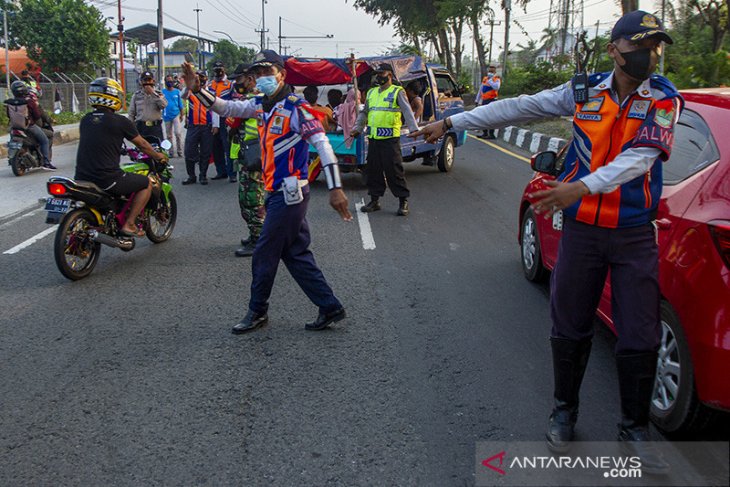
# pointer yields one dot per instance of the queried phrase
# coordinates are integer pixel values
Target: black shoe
(189, 181)
(203, 180)
(326, 319)
(403, 208)
(374, 205)
(250, 322)
(636, 375)
(570, 358)
(219, 176)
(232, 179)
(246, 250)
(245, 241)
(49, 167)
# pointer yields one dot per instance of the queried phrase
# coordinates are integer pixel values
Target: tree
(66, 35)
(230, 54)
(184, 44)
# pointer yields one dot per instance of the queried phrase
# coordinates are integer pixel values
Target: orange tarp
(18, 61)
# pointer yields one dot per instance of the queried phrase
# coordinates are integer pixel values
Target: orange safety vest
(602, 130)
(220, 87)
(489, 93)
(198, 114)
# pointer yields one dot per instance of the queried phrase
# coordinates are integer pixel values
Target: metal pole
(121, 56)
(507, 8)
(279, 51)
(200, 54)
(661, 59)
(160, 46)
(7, 49)
(491, 37)
(263, 25)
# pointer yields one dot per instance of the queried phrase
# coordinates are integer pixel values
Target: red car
(693, 226)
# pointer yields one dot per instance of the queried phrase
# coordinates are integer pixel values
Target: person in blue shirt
(173, 116)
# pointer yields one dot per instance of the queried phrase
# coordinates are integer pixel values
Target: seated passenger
(311, 93)
(416, 102)
(346, 115)
(334, 98)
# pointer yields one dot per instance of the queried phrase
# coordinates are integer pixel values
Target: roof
(334, 71)
(147, 34)
(716, 97)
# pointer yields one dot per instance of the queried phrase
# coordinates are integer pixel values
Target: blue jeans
(42, 140)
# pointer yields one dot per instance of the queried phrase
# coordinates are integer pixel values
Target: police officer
(609, 192)
(221, 86)
(145, 109)
(199, 136)
(488, 93)
(246, 154)
(286, 127)
(384, 105)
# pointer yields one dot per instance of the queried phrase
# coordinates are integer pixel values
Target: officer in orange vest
(199, 135)
(488, 93)
(287, 125)
(221, 86)
(609, 192)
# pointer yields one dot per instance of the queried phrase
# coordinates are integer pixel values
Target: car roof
(716, 97)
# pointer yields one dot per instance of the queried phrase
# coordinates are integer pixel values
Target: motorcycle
(88, 217)
(23, 152)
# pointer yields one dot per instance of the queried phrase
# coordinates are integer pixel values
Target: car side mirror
(544, 162)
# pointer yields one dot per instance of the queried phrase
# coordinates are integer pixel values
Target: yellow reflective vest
(384, 115)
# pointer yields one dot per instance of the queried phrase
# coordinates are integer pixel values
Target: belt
(150, 123)
(302, 184)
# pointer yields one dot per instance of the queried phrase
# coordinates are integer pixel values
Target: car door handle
(663, 224)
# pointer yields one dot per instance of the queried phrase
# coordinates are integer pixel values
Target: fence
(71, 90)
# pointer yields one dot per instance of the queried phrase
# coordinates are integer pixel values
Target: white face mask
(267, 84)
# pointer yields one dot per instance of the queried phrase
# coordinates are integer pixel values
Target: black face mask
(218, 73)
(381, 80)
(637, 63)
(240, 88)
(169, 84)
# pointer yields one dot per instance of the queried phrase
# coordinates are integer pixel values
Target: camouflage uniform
(250, 183)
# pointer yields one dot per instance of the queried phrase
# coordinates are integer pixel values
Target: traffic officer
(608, 192)
(384, 105)
(488, 93)
(221, 86)
(286, 127)
(145, 109)
(199, 136)
(246, 154)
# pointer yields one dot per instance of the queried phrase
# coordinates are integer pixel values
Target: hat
(266, 58)
(146, 74)
(241, 69)
(384, 67)
(218, 65)
(638, 25)
(201, 72)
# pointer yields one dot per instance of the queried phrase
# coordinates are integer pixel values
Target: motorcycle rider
(24, 113)
(100, 148)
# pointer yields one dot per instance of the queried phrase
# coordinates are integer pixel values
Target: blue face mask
(267, 85)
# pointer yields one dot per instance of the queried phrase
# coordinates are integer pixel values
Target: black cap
(201, 72)
(241, 69)
(638, 25)
(266, 58)
(218, 65)
(384, 67)
(146, 74)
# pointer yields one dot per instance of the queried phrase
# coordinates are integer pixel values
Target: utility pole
(595, 49)
(263, 30)
(491, 36)
(326, 36)
(507, 7)
(661, 59)
(7, 48)
(279, 34)
(200, 54)
(121, 55)
(160, 46)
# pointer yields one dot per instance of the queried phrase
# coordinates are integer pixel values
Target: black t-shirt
(100, 146)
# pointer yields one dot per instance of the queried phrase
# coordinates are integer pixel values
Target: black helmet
(19, 89)
(105, 93)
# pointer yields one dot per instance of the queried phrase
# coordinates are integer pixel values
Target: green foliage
(62, 118)
(231, 55)
(61, 34)
(533, 78)
(184, 44)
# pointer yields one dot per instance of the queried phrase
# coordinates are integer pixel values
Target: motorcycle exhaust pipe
(105, 239)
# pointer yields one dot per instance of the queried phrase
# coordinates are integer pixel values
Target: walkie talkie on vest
(580, 78)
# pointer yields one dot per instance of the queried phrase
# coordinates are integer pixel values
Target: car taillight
(56, 189)
(721, 236)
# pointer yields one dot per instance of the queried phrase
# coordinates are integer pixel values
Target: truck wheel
(446, 156)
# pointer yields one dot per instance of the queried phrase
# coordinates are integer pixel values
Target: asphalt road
(132, 377)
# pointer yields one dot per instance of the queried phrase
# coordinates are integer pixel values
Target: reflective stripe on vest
(384, 115)
(601, 132)
(250, 130)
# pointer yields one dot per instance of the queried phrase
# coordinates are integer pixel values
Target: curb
(61, 136)
(530, 141)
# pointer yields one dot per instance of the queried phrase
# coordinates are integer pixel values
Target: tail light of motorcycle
(720, 232)
(56, 189)
(17, 132)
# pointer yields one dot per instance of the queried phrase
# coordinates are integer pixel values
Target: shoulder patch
(639, 109)
(293, 98)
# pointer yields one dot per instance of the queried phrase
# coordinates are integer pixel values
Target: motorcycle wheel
(75, 253)
(161, 220)
(16, 163)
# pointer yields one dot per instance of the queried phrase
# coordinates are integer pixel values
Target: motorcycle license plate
(15, 145)
(57, 205)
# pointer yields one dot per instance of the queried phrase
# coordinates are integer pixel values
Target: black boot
(570, 358)
(403, 207)
(247, 249)
(189, 180)
(250, 322)
(374, 205)
(636, 377)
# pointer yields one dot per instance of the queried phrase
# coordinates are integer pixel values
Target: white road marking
(31, 240)
(366, 233)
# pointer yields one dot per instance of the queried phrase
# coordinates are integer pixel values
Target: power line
(229, 13)
(303, 26)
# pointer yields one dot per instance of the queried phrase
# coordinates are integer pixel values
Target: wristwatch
(447, 124)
